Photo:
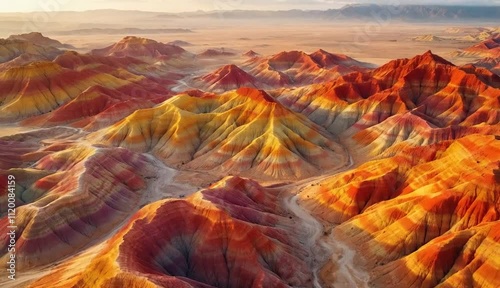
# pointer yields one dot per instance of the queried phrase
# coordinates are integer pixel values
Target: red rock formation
(96, 108)
(227, 78)
(328, 60)
(467, 256)
(354, 192)
(141, 48)
(296, 68)
(251, 54)
(70, 196)
(19, 51)
(210, 53)
(44, 87)
(419, 208)
(180, 43)
(423, 217)
(426, 86)
(38, 39)
(82, 90)
(243, 131)
(493, 64)
(128, 68)
(488, 48)
(23, 59)
(233, 234)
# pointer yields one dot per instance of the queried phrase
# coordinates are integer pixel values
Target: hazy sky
(191, 5)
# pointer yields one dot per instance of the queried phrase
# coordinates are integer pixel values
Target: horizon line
(256, 10)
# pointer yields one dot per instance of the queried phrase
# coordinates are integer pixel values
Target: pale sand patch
(11, 129)
(164, 185)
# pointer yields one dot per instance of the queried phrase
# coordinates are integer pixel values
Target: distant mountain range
(356, 12)
(119, 31)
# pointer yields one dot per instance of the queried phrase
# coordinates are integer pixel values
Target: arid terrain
(210, 150)
(375, 39)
